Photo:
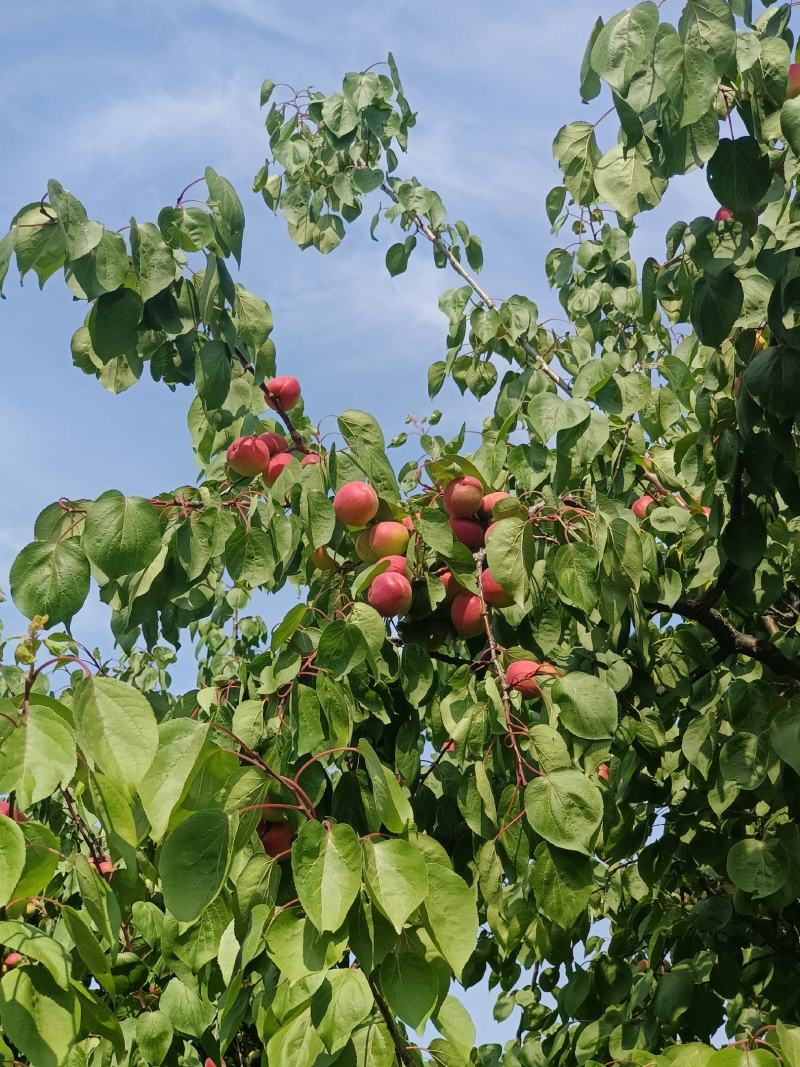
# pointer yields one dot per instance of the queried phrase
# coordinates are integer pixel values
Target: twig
(404, 1057)
(274, 403)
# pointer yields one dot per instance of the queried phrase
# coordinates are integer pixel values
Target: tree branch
(479, 291)
(274, 403)
(402, 1052)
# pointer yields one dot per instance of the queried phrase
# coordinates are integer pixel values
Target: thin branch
(274, 403)
(402, 1052)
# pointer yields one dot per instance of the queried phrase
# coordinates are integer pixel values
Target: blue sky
(126, 103)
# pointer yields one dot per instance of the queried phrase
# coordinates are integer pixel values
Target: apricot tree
(534, 720)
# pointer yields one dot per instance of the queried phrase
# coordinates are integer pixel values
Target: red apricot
(462, 497)
(276, 466)
(793, 82)
(278, 838)
(640, 506)
(388, 539)
(397, 565)
(5, 809)
(355, 504)
(468, 532)
(408, 522)
(604, 772)
(494, 593)
(248, 456)
(466, 614)
(310, 458)
(390, 594)
(275, 442)
(489, 502)
(723, 214)
(520, 676)
(451, 587)
(448, 746)
(13, 959)
(285, 389)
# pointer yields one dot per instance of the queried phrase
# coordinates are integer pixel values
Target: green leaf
(80, 234)
(510, 554)
(410, 987)
(249, 556)
(153, 259)
(744, 759)
(708, 26)
(35, 943)
(451, 915)
(122, 534)
(184, 1008)
(346, 1002)
(565, 808)
(38, 756)
(7, 246)
(758, 867)
(339, 115)
(114, 324)
(398, 256)
(629, 181)
(784, 736)
(576, 567)
(587, 706)
(41, 1019)
(396, 878)
(563, 883)
(116, 730)
(12, 857)
(575, 148)
(365, 438)
(180, 745)
(790, 124)
(154, 1034)
(739, 173)
(226, 209)
(716, 305)
(212, 374)
(89, 948)
(50, 579)
(390, 800)
(327, 872)
(41, 860)
(193, 863)
(341, 648)
(624, 46)
(773, 379)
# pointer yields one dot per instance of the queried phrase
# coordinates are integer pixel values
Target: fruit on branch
(105, 866)
(604, 772)
(489, 501)
(640, 506)
(451, 586)
(462, 497)
(5, 809)
(355, 504)
(276, 466)
(793, 82)
(549, 670)
(466, 615)
(748, 219)
(248, 456)
(285, 390)
(390, 594)
(278, 838)
(364, 549)
(388, 539)
(13, 959)
(723, 214)
(310, 458)
(408, 522)
(448, 746)
(275, 442)
(468, 532)
(521, 677)
(397, 565)
(494, 593)
(642, 966)
(322, 559)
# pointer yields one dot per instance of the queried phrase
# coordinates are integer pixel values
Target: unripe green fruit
(390, 594)
(355, 504)
(466, 614)
(322, 559)
(462, 497)
(248, 456)
(388, 539)
(364, 549)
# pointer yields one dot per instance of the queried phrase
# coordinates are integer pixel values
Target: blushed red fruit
(13, 959)
(322, 559)
(494, 593)
(105, 866)
(364, 549)
(640, 507)
(604, 772)
(448, 746)
(388, 539)
(468, 532)
(723, 214)
(248, 456)
(793, 82)
(451, 587)
(275, 442)
(276, 466)
(521, 676)
(310, 458)
(489, 502)
(5, 808)
(397, 565)
(549, 669)
(390, 594)
(466, 615)
(285, 389)
(278, 838)
(355, 504)
(408, 522)
(747, 219)
(707, 512)
(462, 497)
